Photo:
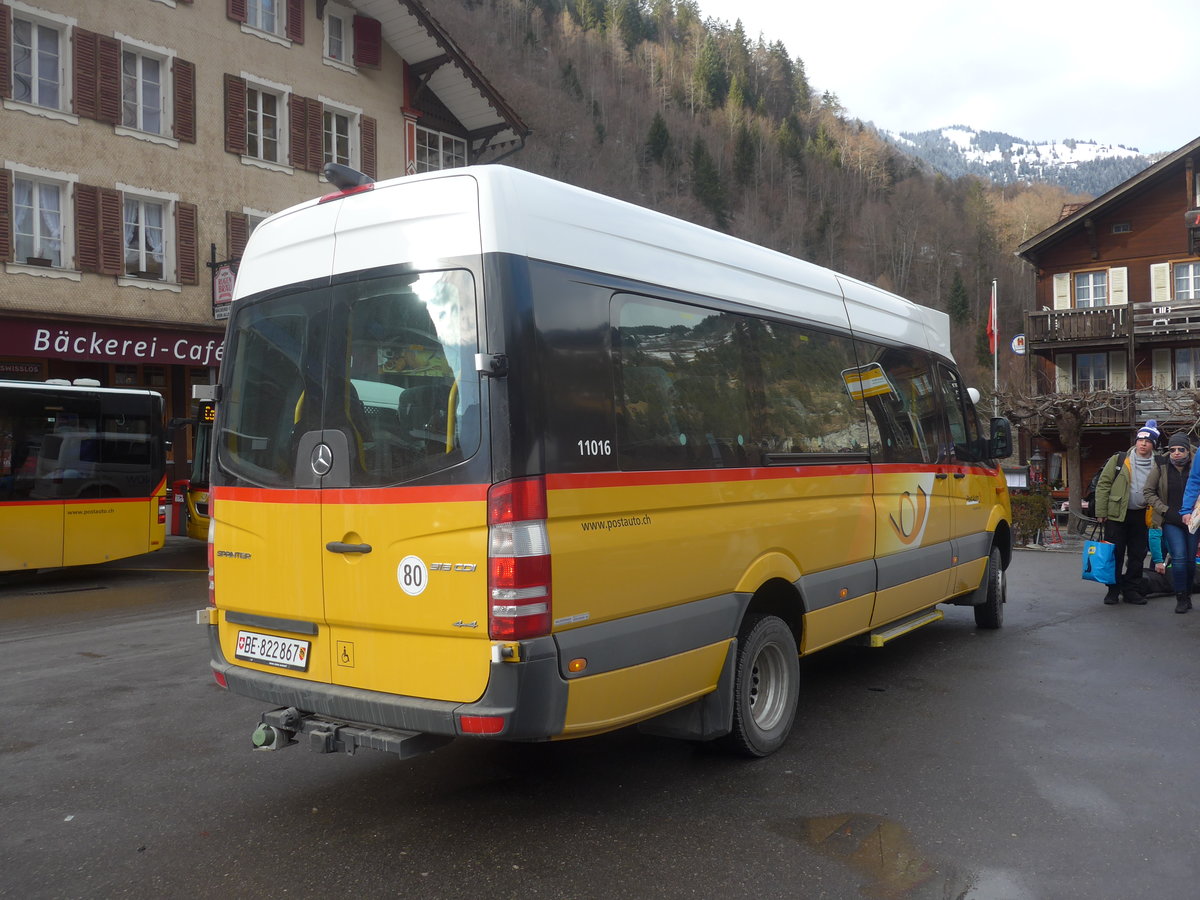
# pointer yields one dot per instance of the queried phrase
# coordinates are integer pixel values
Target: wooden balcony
(1098, 324)
(1179, 410)
(1167, 321)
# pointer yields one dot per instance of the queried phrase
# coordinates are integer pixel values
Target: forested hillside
(647, 101)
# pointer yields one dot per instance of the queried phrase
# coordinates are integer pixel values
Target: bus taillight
(518, 560)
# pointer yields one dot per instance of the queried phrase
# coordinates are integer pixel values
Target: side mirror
(1000, 445)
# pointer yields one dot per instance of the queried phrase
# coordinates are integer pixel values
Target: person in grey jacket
(1164, 494)
(1121, 506)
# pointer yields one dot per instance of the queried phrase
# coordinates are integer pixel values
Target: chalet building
(141, 141)
(1117, 311)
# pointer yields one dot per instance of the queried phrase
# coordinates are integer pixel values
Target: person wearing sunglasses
(1166, 495)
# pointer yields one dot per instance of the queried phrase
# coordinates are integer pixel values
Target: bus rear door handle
(960, 474)
(941, 475)
(342, 547)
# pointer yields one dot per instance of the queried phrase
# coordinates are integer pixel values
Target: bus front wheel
(990, 613)
(765, 688)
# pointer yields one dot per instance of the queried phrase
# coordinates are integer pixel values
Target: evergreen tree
(711, 77)
(745, 155)
(706, 184)
(658, 141)
(959, 305)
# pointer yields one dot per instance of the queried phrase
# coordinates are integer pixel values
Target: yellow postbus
(191, 493)
(498, 457)
(82, 474)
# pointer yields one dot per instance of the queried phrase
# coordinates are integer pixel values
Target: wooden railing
(1181, 318)
(1097, 323)
(1173, 409)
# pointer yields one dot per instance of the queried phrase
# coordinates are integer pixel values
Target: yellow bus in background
(498, 457)
(82, 474)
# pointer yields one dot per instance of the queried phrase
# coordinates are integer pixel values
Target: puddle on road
(893, 866)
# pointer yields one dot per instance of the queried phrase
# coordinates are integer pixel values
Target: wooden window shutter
(367, 154)
(112, 233)
(83, 69)
(1160, 283)
(1161, 370)
(5, 51)
(237, 232)
(185, 100)
(298, 131)
(236, 10)
(316, 135)
(1118, 286)
(235, 114)
(6, 237)
(1064, 379)
(295, 21)
(87, 228)
(108, 79)
(1118, 376)
(187, 243)
(1062, 290)
(368, 42)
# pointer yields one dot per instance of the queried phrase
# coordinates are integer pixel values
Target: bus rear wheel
(766, 686)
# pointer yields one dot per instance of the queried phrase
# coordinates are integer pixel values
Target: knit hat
(1179, 439)
(1149, 431)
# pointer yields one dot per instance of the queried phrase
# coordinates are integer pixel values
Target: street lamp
(1036, 466)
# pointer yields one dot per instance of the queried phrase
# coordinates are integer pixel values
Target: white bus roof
(63, 385)
(499, 209)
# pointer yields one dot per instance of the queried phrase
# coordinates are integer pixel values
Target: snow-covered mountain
(1084, 167)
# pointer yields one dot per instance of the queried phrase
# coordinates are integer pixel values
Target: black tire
(990, 613)
(766, 686)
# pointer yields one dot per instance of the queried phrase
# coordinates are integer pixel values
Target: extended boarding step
(881, 636)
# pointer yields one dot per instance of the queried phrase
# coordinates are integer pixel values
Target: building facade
(142, 140)
(1116, 322)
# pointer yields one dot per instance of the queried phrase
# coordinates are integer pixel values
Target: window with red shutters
(237, 232)
(368, 42)
(6, 238)
(185, 100)
(98, 231)
(187, 243)
(235, 115)
(367, 126)
(97, 72)
(5, 52)
(295, 21)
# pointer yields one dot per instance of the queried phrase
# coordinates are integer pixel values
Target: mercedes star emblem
(322, 459)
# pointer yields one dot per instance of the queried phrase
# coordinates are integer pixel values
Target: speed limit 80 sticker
(412, 575)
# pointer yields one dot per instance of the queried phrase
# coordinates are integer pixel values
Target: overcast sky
(1115, 72)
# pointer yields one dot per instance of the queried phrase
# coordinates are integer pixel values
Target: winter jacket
(1164, 492)
(1112, 490)
(1191, 491)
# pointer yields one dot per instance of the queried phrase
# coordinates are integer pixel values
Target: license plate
(286, 653)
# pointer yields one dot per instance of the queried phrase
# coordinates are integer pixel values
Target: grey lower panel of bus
(652, 635)
(535, 682)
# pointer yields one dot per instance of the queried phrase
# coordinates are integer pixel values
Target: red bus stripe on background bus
(452, 493)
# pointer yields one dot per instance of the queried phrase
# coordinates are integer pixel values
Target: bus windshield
(389, 362)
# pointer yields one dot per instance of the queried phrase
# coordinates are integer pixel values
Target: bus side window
(905, 417)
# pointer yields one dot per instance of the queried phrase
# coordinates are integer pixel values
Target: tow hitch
(286, 726)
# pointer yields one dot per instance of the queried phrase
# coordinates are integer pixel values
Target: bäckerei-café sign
(92, 343)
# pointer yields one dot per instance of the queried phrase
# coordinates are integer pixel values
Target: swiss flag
(991, 325)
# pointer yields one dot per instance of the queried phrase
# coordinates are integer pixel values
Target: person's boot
(1131, 595)
(1113, 597)
(1182, 603)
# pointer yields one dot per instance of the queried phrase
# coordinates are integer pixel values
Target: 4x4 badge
(322, 459)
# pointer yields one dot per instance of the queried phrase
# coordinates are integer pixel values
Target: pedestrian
(1121, 506)
(1187, 509)
(1164, 491)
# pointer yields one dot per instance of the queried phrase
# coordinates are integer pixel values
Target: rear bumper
(531, 697)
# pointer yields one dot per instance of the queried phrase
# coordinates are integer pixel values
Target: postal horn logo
(909, 519)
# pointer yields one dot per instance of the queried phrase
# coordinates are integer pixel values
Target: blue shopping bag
(1099, 562)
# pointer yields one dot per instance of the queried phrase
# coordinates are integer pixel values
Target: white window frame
(429, 141)
(338, 51)
(277, 34)
(280, 92)
(353, 117)
(1192, 293)
(168, 202)
(165, 57)
(1085, 286)
(1093, 383)
(62, 25)
(1187, 368)
(65, 182)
